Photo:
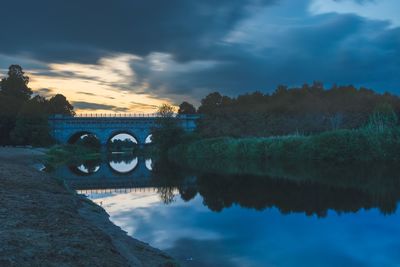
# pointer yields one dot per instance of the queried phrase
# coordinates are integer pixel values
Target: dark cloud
(343, 49)
(290, 46)
(86, 93)
(96, 106)
(83, 31)
(46, 92)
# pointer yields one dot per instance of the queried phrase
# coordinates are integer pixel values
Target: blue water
(238, 236)
(336, 227)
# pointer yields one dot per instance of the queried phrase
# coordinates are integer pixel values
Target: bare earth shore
(42, 223)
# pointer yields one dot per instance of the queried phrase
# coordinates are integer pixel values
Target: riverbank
(45, 224)
(340, 146)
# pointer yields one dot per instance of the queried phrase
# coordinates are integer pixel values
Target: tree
(186, 108)
(383, 118)
(23, 120)
(210, 103)
(167, 133)
(89, 141)
(31, 124)
(14, 93)
(166, 111)
(16, 84)
(59, 104)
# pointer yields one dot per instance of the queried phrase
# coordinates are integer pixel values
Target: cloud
(386, 10)
(135, 105)
(265, 51)
(84, 31)
(45, 92)
(170, 51)
(82, 105)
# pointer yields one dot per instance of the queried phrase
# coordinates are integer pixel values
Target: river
(250, 214)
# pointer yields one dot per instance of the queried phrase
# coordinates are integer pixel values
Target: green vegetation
(339, 125)
(126, 145)
(379, 140)
(167, 134)
(23, 118)
(87, 147)
(307, 110)
(334, 146)
(61, 154)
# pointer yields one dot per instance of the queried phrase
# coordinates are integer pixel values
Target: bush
(361, 145)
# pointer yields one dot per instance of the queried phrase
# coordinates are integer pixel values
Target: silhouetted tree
(23, 120)
(307, 109)
(59, 104)
(31, 125)
(167, 133)
(14, 92)
(186, 108)
(16, 84)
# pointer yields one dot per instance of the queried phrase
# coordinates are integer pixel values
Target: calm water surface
(241, 214)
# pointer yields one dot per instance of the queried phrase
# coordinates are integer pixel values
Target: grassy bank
(61, 154)
(359, 145)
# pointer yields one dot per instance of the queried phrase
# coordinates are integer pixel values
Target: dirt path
(43, 224)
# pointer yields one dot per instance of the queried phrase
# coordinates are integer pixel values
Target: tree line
(307, 109)
(24, 115)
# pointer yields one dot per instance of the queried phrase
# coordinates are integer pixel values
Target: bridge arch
(76, 136)
(68, 129)
(123, 132)
(148, 139)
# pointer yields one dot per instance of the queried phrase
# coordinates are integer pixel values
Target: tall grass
(359, 145)
(60, 154)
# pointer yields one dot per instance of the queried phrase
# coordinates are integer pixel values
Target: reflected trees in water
(290, 187)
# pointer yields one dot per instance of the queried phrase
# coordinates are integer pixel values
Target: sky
(130, 56)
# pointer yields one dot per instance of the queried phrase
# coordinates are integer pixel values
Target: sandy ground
(42, 223)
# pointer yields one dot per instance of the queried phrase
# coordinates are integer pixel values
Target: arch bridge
(67, 129)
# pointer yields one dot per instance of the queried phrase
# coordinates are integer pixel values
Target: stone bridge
(68, 129)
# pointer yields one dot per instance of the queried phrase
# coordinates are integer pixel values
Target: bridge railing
(124, 115)
(117, 115)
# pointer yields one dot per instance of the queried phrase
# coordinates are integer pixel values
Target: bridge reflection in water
(115, 173)
(122, 174)
(262, 206)
(312, 190)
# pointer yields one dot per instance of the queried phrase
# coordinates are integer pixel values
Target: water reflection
(252, 213)
(85, 168)
(311, 189)
(123, 166)
(149, 164)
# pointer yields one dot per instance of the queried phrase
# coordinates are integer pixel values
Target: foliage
(165, 111)
(31, 125)
(23, 118)
(59, 104)
(186, 108)
(167, 133)
(360, 145)
(90, 142)
(60, 154)
(120, 145)
(16, 84)
(383, 118)
(307, 110)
